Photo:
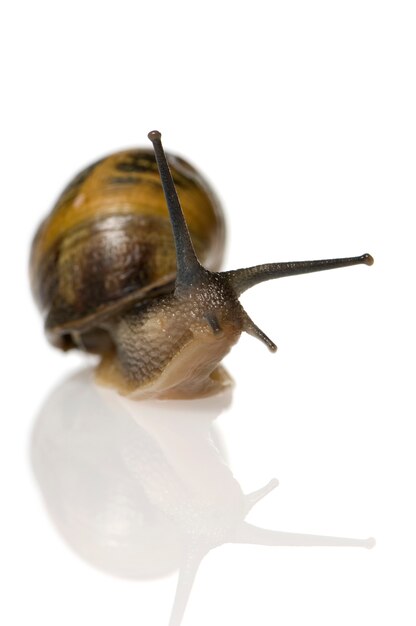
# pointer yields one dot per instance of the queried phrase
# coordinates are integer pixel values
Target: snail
(142, 490)
(110, 279)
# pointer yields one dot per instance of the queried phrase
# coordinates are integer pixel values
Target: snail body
(110, 278)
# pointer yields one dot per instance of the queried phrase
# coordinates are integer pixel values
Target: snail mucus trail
(171, 346)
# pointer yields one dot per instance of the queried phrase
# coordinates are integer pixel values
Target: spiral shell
(108, 243)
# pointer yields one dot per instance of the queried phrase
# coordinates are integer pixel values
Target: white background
(302, 114)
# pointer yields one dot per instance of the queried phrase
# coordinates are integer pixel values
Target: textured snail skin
(140, 490)
(174, 325)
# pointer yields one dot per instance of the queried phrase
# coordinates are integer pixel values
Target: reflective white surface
(139, 489)
(302, 115)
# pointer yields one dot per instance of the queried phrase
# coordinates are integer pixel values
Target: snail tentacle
(187, 263)
(245, 278)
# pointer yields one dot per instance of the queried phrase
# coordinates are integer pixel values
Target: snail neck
(170, 347)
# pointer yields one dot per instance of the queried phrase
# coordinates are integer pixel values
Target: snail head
(182, 337)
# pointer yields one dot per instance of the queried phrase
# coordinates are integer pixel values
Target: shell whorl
(108, 238)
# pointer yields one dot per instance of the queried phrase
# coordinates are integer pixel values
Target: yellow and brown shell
(108, 243)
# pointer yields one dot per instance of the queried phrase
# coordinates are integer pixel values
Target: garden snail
(109, 278)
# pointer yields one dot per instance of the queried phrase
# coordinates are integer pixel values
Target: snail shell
(108, 242)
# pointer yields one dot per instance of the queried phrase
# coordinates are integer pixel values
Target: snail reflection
(141, 489)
